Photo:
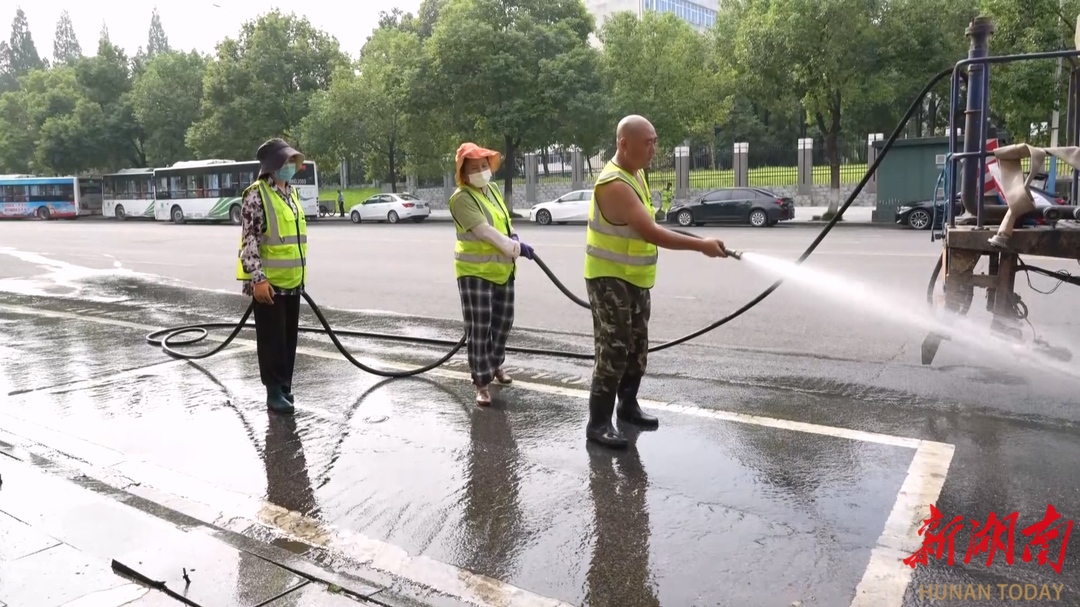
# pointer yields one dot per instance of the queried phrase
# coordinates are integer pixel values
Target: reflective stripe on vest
(619, 251)
(283, 246)
(473, 256)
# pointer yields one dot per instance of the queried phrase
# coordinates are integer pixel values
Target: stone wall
(821, 196)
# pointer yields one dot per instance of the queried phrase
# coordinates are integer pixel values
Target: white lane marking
(886, 578)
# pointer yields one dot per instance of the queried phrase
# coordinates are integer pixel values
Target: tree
(1022, 93)
(106, 81)
(165, 100)
(334, 128)
(49, 126)
(388, 63)
(655, 66)
(22, 56)
(157, 42)
(485, 57)
(830, 52)
(261, 85)
(66, 47)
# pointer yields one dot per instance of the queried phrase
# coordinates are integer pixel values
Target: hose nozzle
(734, 254)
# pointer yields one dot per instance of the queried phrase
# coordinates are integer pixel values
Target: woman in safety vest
(272, 265)
(484, 263)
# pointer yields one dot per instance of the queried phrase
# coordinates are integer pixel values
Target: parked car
(568, 207)
(392, 208)
(922, 215)
(755, 206)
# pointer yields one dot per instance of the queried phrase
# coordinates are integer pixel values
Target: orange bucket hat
(471, 150)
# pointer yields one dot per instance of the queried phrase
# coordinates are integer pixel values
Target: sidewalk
(70, 542)
(854, 216)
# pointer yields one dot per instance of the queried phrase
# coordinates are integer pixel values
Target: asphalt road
(408, 269)
(825, 371)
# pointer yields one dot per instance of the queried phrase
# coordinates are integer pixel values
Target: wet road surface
(775, 479)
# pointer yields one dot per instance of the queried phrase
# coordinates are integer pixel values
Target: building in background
(700, 13)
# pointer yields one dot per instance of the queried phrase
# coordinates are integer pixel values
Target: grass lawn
(704, 179)
(353, 196)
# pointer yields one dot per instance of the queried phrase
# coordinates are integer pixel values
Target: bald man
(620, 269)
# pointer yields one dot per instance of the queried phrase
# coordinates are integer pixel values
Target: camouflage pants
(620, 330)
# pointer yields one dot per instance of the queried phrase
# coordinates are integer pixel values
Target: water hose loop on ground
(170, 338)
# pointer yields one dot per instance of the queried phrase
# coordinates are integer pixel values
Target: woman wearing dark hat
(272, 266)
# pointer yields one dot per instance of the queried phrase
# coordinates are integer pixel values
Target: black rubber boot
(629, 410)
(276, 401)
(600, 429)
(287, 391)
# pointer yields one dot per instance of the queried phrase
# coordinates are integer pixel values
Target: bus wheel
(234, 214)
(177, 214)
(42, 212)
(120, 214)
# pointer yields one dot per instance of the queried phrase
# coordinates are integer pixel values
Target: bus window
(228, 185)
(305, 175)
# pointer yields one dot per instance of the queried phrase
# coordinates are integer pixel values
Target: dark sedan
(922, 215)
(755, 206)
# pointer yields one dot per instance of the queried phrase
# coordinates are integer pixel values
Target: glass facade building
(692, 12)
(700, 13)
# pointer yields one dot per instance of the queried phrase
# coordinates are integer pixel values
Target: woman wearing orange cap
(484, 262)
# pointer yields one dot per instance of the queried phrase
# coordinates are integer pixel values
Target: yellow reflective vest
(283, 246)
(619, 251)
(476, 257)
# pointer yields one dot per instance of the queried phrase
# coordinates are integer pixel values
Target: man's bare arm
(620, 204)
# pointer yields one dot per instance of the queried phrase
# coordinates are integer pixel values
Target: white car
(568, 207)
(390, 207)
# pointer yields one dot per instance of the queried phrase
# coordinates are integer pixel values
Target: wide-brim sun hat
(273, 155)
(471, 150)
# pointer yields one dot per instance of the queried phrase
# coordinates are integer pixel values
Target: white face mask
(481, 179)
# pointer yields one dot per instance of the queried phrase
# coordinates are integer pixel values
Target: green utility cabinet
(910, 170)
(908, 173)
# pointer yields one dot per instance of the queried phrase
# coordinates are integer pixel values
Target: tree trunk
(931, 115)
(831, 131)
(509, 162)
(392, 165)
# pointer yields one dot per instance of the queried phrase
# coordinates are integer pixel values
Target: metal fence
(711, 165)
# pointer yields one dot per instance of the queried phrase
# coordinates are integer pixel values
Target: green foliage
(165, 99)
(520, 76)
(260, 85)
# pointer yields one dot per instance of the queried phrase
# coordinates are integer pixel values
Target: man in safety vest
(272, 265)
(620, 269)
(484, 265)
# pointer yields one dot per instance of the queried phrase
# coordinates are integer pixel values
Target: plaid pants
(488, 311)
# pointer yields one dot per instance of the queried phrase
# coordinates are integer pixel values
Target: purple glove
(526, 250)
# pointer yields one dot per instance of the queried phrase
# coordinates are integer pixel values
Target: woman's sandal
(483, 397)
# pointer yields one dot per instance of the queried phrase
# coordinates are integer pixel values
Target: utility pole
(1051, 180)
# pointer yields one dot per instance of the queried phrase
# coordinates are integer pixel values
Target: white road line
(886, 578)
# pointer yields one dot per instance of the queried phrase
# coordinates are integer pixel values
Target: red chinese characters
(991, 537)
(1043, 534)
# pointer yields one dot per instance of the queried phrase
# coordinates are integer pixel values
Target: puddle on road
(701, 508)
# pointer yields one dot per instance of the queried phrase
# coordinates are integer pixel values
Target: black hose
(168, 338)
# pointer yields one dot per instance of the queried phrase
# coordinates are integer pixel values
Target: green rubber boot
(277, 402)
